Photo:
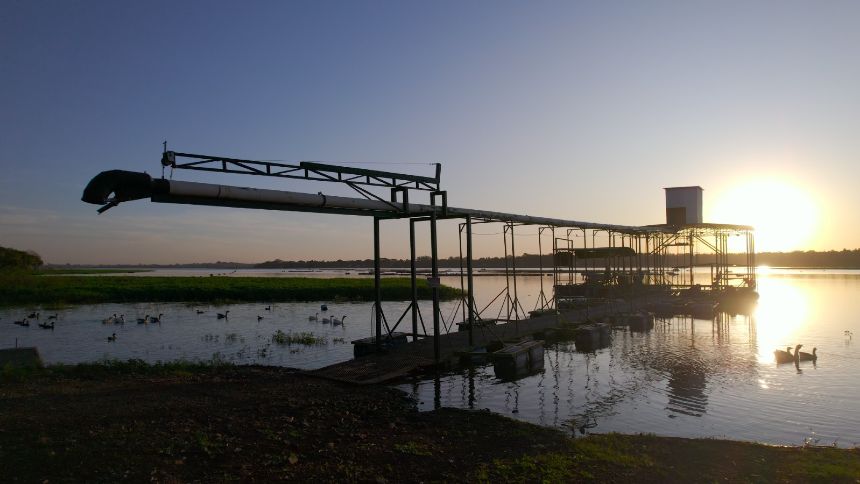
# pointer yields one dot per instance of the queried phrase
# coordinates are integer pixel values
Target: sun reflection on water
(782, 311)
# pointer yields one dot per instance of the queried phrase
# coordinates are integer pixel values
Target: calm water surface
(692, 378)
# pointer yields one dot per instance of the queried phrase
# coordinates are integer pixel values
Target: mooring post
(470, 280)
(434, 255)
(692, 256)
(413, 275)
(516, 301)
(377, 283)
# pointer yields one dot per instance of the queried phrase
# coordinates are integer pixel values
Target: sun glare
(784, 215)
(782, 311)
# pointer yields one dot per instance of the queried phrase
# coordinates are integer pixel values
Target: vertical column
(377, 283)
(540, 266)
(516, 301)
(470, 280)
(434, 255)
(413, 279)
(691, 260)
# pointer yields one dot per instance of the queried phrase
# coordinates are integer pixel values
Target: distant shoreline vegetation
(833, 259)
(19, 289)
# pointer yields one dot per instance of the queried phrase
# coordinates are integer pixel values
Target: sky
(576, 110)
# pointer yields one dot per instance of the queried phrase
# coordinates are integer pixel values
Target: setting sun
(784, 215)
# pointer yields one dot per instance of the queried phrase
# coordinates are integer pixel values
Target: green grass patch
(413, 448)
(112, 368)
(84, 271)
(18, 289)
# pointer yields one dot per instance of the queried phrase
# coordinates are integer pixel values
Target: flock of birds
(48, 324)
(114, 319)
(786, 356)
(798, 356)
(149, 319)
(330, 320)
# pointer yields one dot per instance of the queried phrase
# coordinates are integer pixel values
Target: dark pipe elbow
(125, 185)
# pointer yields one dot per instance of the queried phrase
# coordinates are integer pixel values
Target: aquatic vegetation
(303, 338)
(23, 289)
(233, 338)
(113, 367)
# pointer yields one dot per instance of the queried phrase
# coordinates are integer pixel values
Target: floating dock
(416, 357)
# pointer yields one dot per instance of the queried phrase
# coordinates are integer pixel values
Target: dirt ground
(264, 424)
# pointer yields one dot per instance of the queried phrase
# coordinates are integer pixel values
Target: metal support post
(377, 283)
(516, 300)
(413, 279)
(434, 254)
(470, 280)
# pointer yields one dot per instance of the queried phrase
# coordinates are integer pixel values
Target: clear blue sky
(581, 110)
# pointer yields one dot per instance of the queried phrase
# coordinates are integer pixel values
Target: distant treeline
(845, 259)
(12, 259)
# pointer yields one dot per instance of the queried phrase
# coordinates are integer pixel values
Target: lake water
(692, 378)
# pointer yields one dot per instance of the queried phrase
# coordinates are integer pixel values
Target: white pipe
(207, 191)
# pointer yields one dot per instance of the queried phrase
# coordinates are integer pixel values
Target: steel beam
(377, 283)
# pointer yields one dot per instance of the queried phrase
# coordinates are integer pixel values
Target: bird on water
(803, 356)
(223, 315)
(787, 356)
(784, 356)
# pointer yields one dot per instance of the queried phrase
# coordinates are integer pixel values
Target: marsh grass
(303, 338)
(52, 271)
(17, 289)
(108, 368)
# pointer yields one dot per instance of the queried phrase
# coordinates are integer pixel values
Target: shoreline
(215, 423)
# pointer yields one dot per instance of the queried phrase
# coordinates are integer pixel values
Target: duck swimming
(784, 356)
(803, 356)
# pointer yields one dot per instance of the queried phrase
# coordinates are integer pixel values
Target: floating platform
(518, 358)
(481, 323)
(701, 309)
(590, 337)
(417, 356)
(367, 346)
(637, 321)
